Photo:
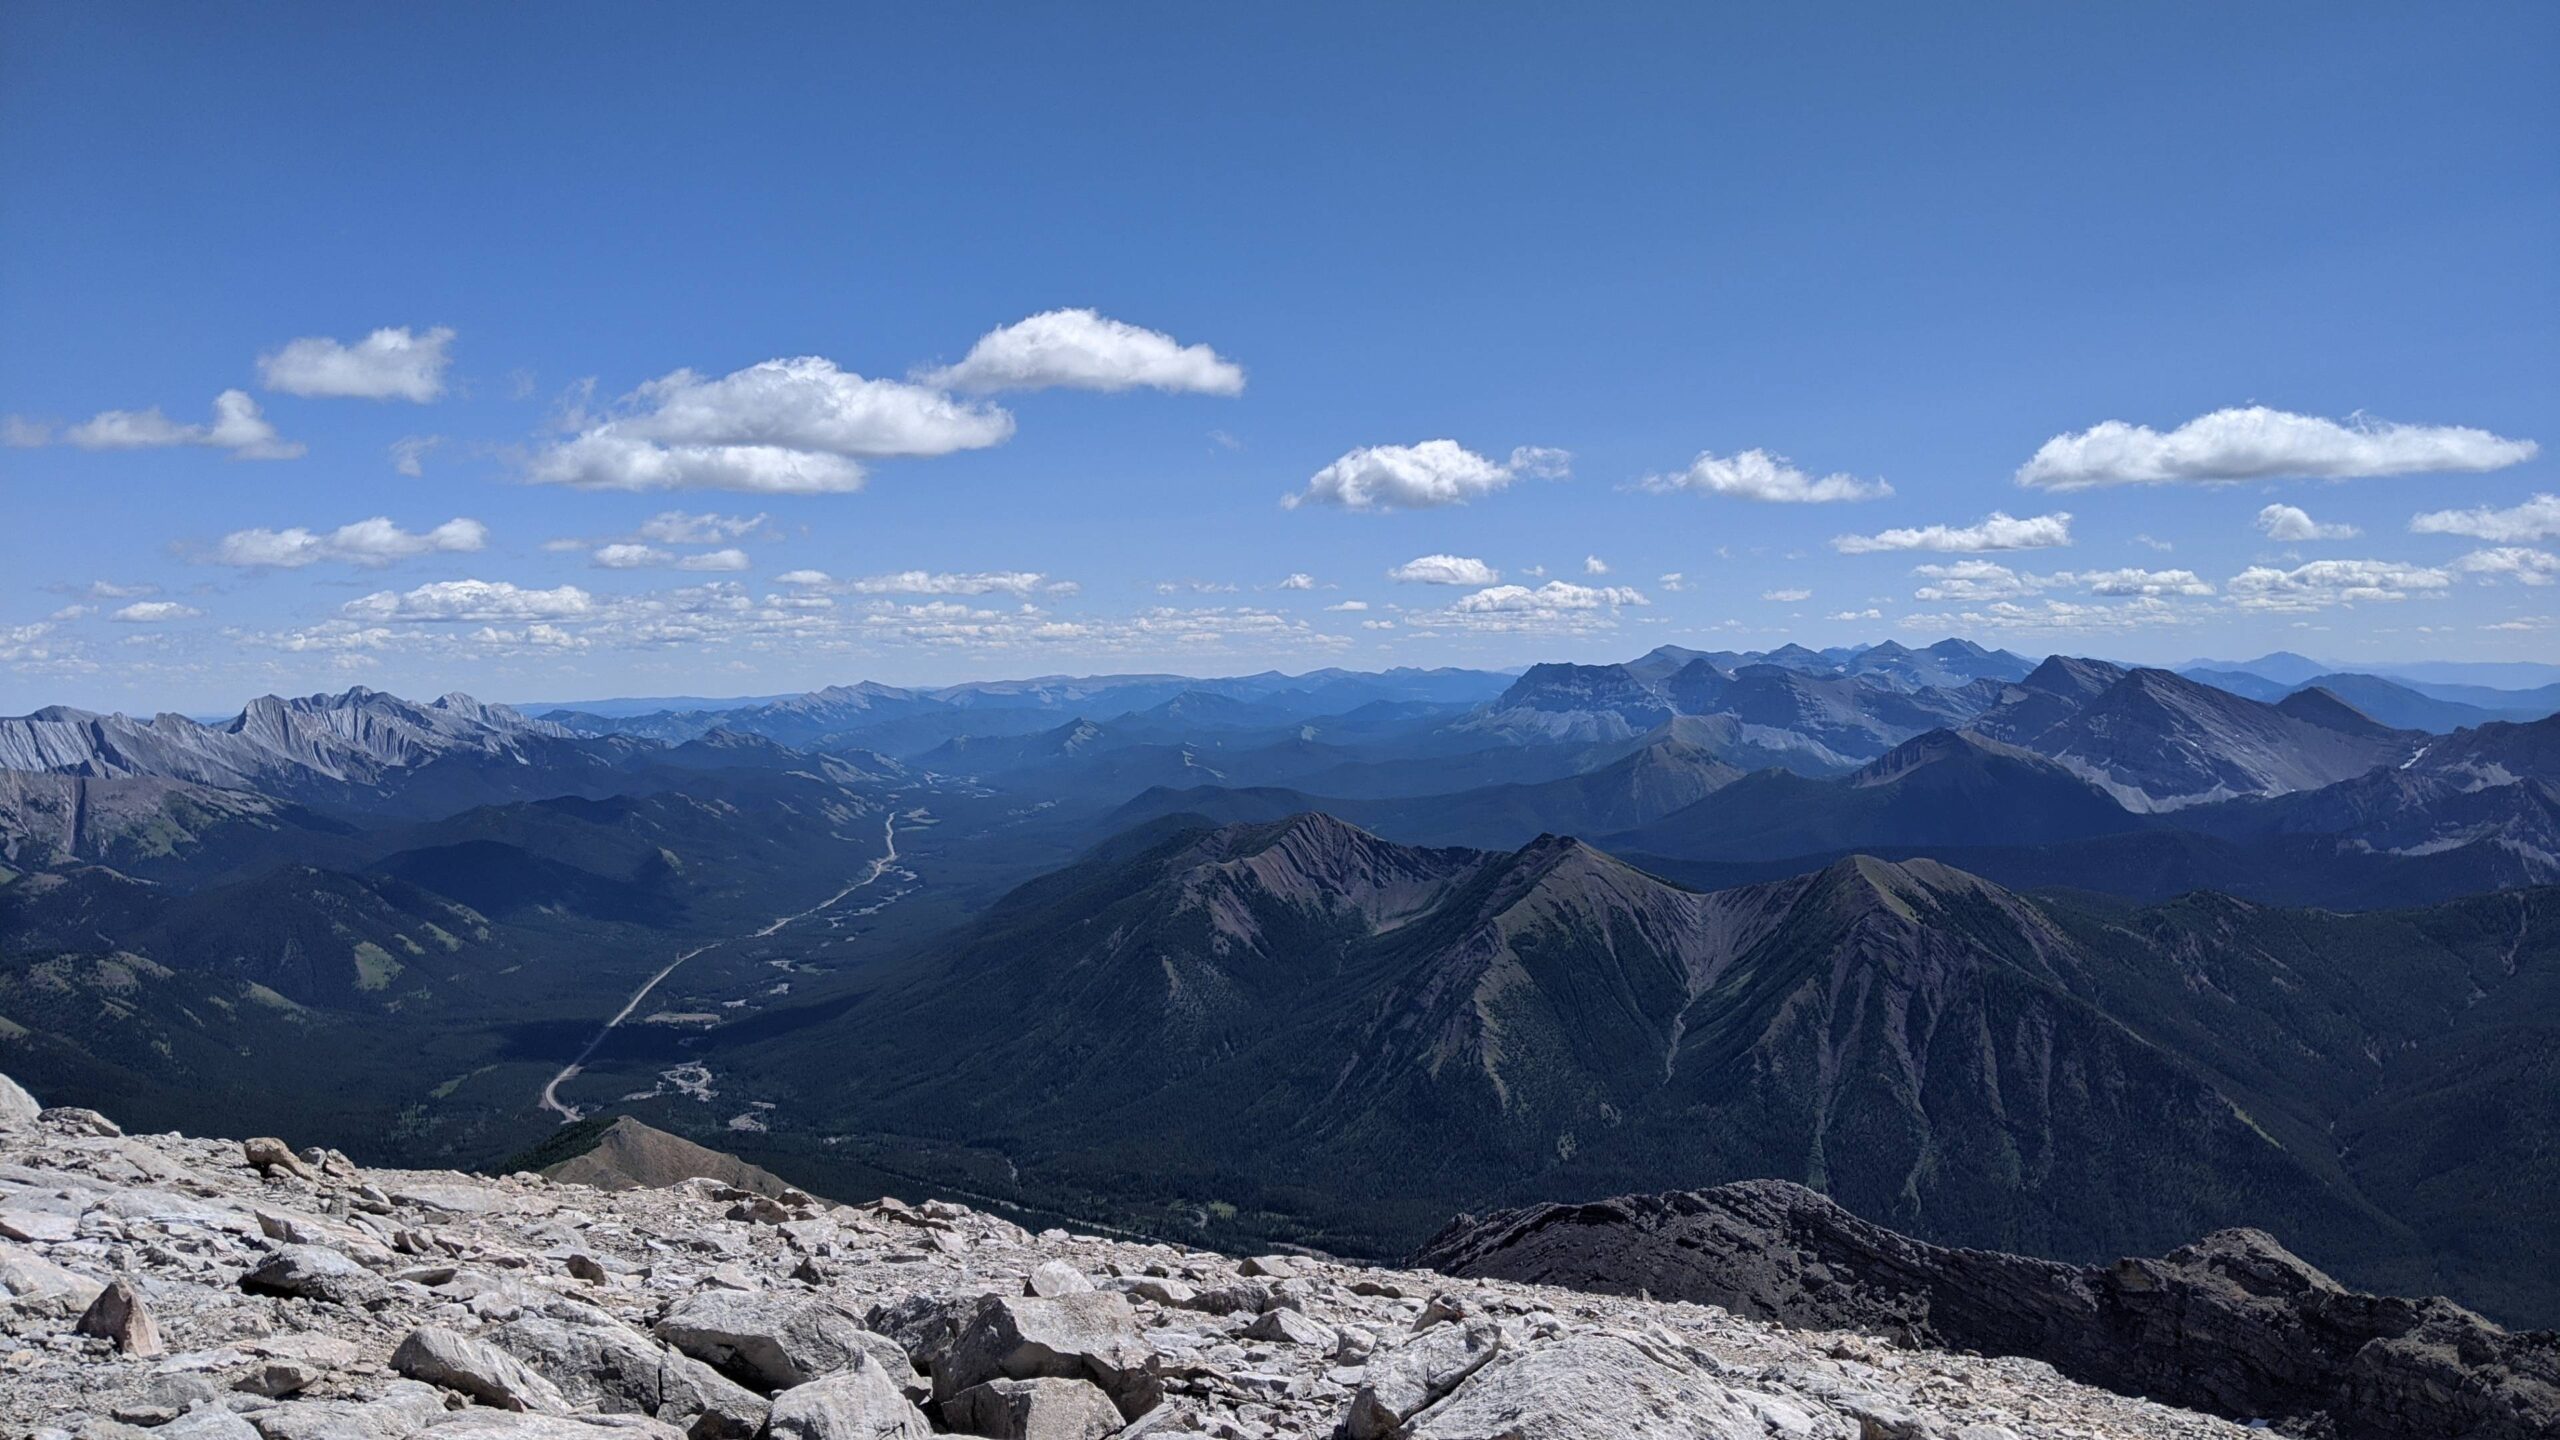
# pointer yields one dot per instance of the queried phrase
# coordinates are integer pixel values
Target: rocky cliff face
(2234, 1324)
(221, 1290)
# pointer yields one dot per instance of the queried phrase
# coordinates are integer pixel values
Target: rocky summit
(200, 1289)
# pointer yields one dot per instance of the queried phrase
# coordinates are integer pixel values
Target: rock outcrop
(628, 1155)
(2234, 1324)
(337, 1303)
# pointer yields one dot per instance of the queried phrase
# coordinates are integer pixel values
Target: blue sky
(1914, 255)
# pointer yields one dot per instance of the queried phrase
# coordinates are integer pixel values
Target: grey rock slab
(1043, 1409)
(1052, 1278)
(17, 1107)
(863, 1401)
(312, 1272)
(118, 1314)
(1401, 1382)
(1093, 1336)
(212, 1422)
(767, 1339)
(1289, 1327)
(1588, 1387)
(504, 1425)
(476, 1368)
(399, 1412)
(612, 1368)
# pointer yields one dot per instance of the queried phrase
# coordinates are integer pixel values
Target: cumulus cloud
(675, 527)
(927, 582)
(1787, 597)
(1414, 477)
(1997, 531)
(2258, 443)
(1671, 580)
(1759, 475)
(1349, 606)
(153, 612)
(409, 453)
(1853, 615)
(1445, 570)
(2535, 519)
(389, 364)
(477, 600)
(1082, 350)
(726, 559)
(2148, 583)
(626, 556)
(1558, 606)
(1299, 580)
(781, 427)
(237, 426)
(369, 543)
(2292, 523)
(2320, 584)
(20, 433)
(804, 577)
(1594, 565)
(2512, 562)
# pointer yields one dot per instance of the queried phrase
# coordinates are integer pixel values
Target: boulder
(1043, 1409)
(35, 1285)
(862, 1401)
(270, 1156)
(211, 1422)
(71, 1119)
(118, 1314)
(607, 1366)
(313, 1272)
(1590, 1387)
(396, 1414)
(478, 1424)
(17, 1107)
(1289, 1327)
(1399, 1383)
(1052, 1278)
(1093, 1336)
(765, 1339)
(476, 1368)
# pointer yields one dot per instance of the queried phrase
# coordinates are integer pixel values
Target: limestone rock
(609, 1367)
(270, 1156)
(1092, 1336)
(1402, 1381)
(1042, 1409)
(313, 1272)
(1589, 1387)
(860, 1402)
(118, 1314)
(1052, 1278)
(71, 1119)
(765, 1339)
(476, 1368)
(1289, 1328)
(17, 1107)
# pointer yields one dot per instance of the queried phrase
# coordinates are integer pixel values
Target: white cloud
(409, 453)
(1594, 565)
(675, 527)
(627, 556)
(804, 577)
(389, 364)
(110, 590)
(1557, 607)
(1081, 350)
(368, 543)
(730, 559)
(922, 582)
(1349, 606)
(1413, 477)
(1997, 531)
(237, 427)
(1787, 597)
(1759, 475)
(2153, 584)
(20, 433)
(2513, 562)
(2320, 584)
(781, 427)
(1299, 580)
(482, 600)
(2257, 443)
(2292, 523)
(153, 612)
(1856, 615)
(1445, 570)
(2535, 519)
(72, 612)
(1671, 580)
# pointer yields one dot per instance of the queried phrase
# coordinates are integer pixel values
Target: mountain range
(2059, 955)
